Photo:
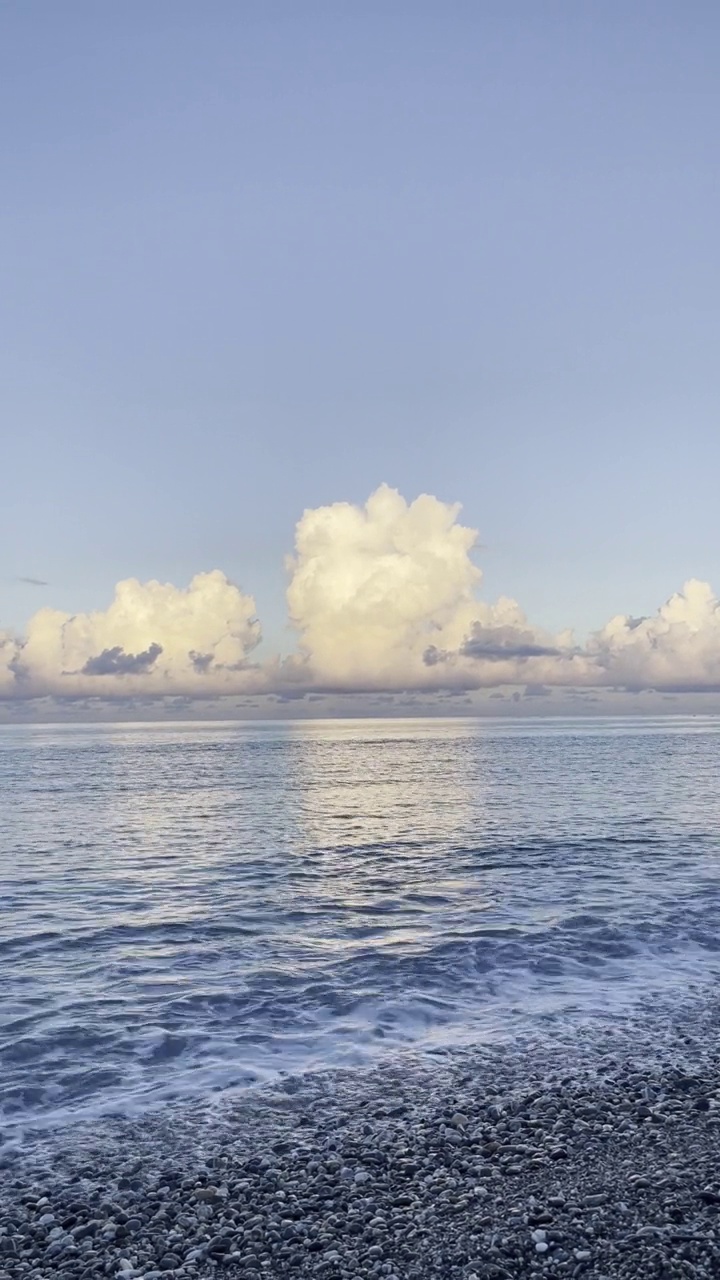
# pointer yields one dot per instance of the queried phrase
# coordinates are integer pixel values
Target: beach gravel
(472, 1167)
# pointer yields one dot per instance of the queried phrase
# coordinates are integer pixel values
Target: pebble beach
(596, 1157)
(343, 1013)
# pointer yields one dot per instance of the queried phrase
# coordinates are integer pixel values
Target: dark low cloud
(116, 662)
(537, 691)
(502, 649)
(432, 655)
(203, 663)
(200, 661)
(18, 667)
(494, 644)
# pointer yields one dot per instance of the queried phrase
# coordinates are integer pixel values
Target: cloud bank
(385, 598)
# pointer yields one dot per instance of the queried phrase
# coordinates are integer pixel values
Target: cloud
(115, 661)
(34, 582)
(675, 650)
(385, 596)
(385, 599)
(537, 691)
(9, 649)
(496, 643)
(372, 586)
(202, 662)
(153, 639)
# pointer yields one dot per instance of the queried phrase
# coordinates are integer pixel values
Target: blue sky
(259, 258)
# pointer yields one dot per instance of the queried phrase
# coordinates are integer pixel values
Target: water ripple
(192, 907)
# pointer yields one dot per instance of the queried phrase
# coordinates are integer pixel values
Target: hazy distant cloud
(34, 582)
(385, 601)
(115, 661)
(682, 687)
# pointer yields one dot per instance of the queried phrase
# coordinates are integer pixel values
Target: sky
(265, 266)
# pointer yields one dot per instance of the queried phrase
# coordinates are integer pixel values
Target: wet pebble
(458, 1171)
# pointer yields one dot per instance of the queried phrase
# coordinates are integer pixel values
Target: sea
(192, 910)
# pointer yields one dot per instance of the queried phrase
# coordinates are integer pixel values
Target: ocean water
(187, 909)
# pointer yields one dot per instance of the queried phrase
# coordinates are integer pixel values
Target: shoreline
(592, 1156)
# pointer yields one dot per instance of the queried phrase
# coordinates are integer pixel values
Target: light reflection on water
(190, 906)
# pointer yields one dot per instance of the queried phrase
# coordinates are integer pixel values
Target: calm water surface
(185, 908)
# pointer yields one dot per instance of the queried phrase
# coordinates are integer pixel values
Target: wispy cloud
(33, 582)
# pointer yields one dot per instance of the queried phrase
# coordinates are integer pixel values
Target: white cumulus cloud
(676, 648)
(154, 638)
(8, 656)
(385, 596)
